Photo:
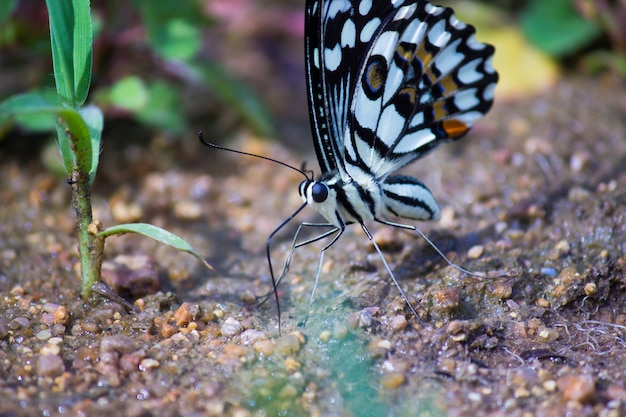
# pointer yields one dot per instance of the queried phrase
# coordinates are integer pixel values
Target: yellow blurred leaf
(523, 69)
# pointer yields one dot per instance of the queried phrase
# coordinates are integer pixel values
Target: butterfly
(388, 81)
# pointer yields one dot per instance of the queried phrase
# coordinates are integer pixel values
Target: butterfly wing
(337, 36)
(423, 80)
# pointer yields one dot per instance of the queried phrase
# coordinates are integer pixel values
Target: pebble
(379, 347)
(134, 274)
(130, 362)
(325, 336)
(476, 252)
(50, 349)
(44, 334)
(579, 388)
(501, 289)
(288, 344)
(18, 323)
(392, 380)
(265, 347)
(124, 212)
(186, 313)
(387, 240)
(187, 210)
(251, 336)
(117, 343)
(148, 364)
(292, 365)
(445, 298)
(551, 272)
(61, 315)
(167, 330)
(50, 366)
(398, 323)
(578, 195)
(590, 289)
(231, 327)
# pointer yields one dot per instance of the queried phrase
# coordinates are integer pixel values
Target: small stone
(578, 195)
(366, 316)
(502, 290)
(19, 322)
(550, 385)
(579, 160)
(292, 365)
(44, 334)
(130, 362)
(325, 336)
(265, 347)
(542, 302)
(476, 252)
(148, 364)
(398, 323)
(387, 240)
(288, 391)
(392, 380)
(186, 313)
(237, 351)
(590, 289)
(50, 366)
(50, 349)
(61, 315)
(579, 388)
(379, 347)
(251, 336)
(445, 298)
(124, 212)
(288, 344)
(231, 327)
(117, 343)
(167, 330)
(136, 275)
(187, 210)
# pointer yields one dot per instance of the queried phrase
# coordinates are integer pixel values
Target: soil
(534, 197)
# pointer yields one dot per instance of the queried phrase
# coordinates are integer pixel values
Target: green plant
(79, 130)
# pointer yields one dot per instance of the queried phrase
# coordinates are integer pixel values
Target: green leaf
(73, 128)
(71, 39)
(6, 9)
(555, 27)
(30, 110)
(171, 27)
(94, 120)
(163, 109)
(130, 93)
(156, 233)
(82, 47)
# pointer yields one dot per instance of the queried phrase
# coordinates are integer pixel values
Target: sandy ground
(537, 193)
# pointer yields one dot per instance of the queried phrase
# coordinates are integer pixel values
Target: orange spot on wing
(454, 127)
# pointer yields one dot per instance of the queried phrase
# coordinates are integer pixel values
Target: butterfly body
(388, 82)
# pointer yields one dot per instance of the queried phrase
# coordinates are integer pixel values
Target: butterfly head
(322, 197)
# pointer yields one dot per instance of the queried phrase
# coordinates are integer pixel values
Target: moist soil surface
(533, 199)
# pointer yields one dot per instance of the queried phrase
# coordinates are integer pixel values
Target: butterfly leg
(294, 246)
(432, 244)
(391, 274)
(318, 273)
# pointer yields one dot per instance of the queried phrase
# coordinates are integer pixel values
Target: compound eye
(319, 192)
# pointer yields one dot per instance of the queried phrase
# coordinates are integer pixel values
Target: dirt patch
(537, 192)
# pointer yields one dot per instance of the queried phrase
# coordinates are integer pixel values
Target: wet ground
(535, 195)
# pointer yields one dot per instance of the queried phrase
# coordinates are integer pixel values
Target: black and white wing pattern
(388, 80)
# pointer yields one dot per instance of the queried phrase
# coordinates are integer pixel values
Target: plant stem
(81, 202)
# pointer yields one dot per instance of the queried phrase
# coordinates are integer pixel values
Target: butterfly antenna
(223, 148)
